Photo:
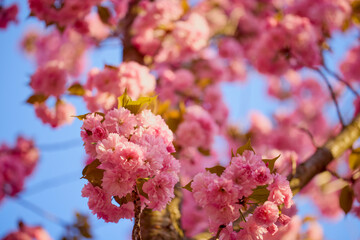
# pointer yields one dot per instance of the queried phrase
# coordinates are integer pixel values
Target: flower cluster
(8, 15)
(350, 65)
(103, 87)
(160, 32)
(225, 195)
(60, 58)
(197, 122)
(16, 164)
(289, 43)
(64, 13)
(61, 114)
(324, 14)
(27, 232)
(131, 151)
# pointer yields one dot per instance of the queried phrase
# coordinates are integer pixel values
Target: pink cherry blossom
(49, 80)
(197, 122)
(8, 14)
(61, 114)
(280, 192)
(26, 232)
(267, 214)
(160, 190)
(120, 121)
(17, 163)
(290, 43)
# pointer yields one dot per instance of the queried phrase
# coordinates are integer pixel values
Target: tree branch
(165, 224)
(332, 149)
(130, 53)
(136, 233)
(333, 96)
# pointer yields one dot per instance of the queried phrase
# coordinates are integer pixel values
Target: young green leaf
(354, 159)
(245, 147)
(93, 174)
(125, 199)
(188, 186)
(271, 163)
(123, 99)
(76, 89)
(83, 116)
(136, 106)
(346, 199)
(217, 169)
(260, 194)
(104, 14)
(205, 152)
(37, 98)
(139, 184)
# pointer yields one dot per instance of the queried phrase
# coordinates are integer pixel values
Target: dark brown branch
(130, 53)
(332, 93)
(136, 233)
(64, 145)
(318, 162)
(41, 212)
(310, 135)
(165, 224)
(340, 79)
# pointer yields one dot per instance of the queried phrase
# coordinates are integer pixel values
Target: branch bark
(165, 224)
(332, 149)
(136, 233)
(130, 53)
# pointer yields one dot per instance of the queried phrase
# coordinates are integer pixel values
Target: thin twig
(221, 227)
(332, 93)
(307, 131)
(60, 145)
(340, 79)
(136, 233)
(41, 212)
(334, 174)
(53, 182)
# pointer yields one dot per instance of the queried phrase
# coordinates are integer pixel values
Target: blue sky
(65, 165)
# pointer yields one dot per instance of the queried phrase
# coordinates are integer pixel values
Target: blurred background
(54, 189)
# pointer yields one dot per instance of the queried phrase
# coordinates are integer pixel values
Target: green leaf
(76, 89)
(205, 152)
(142, 103)
(260, 194)
(93, 174)
(139, 184)
(354, 159)
(37, 98)
(82, 224)
(217, 169)
(346, 199)
(136, 106)
(173, 119)
(123, 99)
(83, 116)
(104, 14)
(188, 186)
(111, 67)
(245, 147)
(125, 199)
(61, 29)
(271, 163)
